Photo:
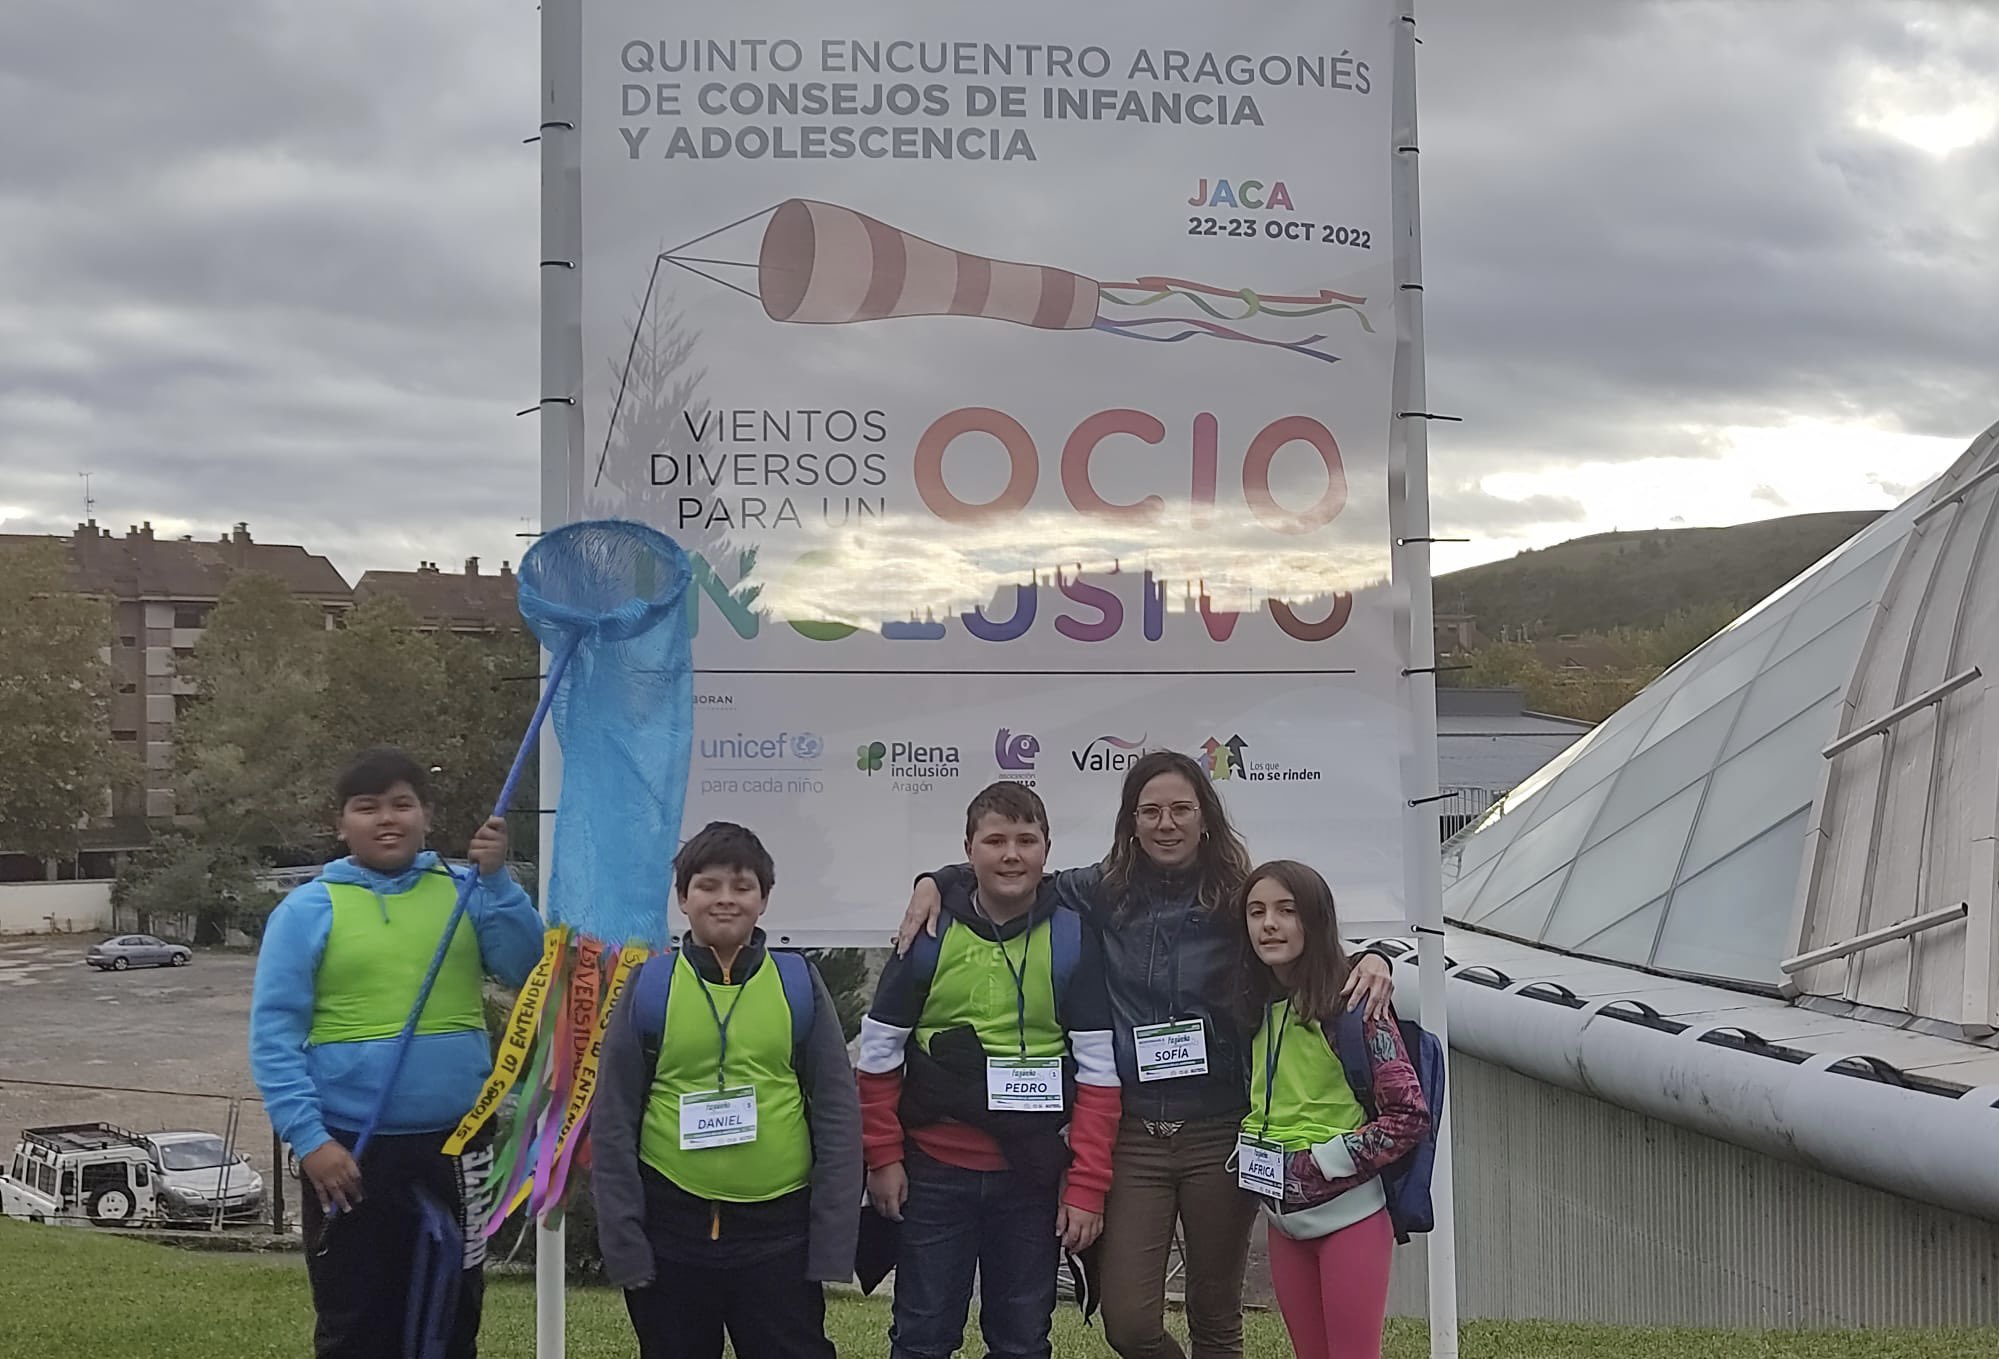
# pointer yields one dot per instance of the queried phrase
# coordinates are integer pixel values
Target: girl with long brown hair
(1160, 899)
(1308, 1147)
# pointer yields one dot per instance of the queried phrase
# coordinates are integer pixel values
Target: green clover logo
(870, 756)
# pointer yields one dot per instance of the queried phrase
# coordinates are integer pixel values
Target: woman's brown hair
(1221, 860)
(1322, 968)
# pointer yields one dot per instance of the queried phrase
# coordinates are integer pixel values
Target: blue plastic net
(612, 597)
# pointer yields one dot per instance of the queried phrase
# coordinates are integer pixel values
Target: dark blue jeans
(957, 1221)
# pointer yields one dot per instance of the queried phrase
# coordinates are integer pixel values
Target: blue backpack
(654, 982)
(1065, 949)
(1406, 1180)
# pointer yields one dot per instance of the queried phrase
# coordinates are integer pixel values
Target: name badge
(1169, 1051)
(1259, 1166)
(718, 1118)
(1026, 1085)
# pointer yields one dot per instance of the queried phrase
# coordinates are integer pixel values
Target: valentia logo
(1107, 755)
(1015, 753)
(870, 756)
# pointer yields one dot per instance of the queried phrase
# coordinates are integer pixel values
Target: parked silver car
(195, 1178)
(136, 950)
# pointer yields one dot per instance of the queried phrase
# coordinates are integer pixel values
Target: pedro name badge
(718, 1118)
(1167, 1051)
(1026, 1085)
(1259, 1166)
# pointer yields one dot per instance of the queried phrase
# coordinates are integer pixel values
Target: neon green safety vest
(780, 1160)
(973, 985)
(377, 950)
(1310, 1100)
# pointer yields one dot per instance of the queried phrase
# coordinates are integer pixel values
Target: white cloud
(276, 263)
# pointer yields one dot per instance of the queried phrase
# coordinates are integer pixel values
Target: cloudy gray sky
(1687, 262)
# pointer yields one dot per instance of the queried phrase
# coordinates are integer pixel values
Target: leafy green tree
(1504, 665)
(180, 877)
(490, 693)
(57, 762)
(849, 979)
(251, 750)
(1681, 632)
(385, 684)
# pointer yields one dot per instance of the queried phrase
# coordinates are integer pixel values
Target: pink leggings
(1333, 1291)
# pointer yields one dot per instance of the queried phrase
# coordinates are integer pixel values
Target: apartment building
(161, 591)
(469, 603)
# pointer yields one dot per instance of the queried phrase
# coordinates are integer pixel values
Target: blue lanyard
(1270, 1051)
(1019, 974)
(721, 1023)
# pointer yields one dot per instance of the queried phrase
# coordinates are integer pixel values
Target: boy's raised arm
(281, 1006)
(508, 926)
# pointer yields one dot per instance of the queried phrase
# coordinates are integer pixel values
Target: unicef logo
(807, 745)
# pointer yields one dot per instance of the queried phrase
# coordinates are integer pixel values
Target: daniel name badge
(1167, 1051)
(1027, 1085)
(1259, 1166)
(718, 1118)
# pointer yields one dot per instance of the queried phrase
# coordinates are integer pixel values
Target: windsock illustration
(822, 264)
(827, 265)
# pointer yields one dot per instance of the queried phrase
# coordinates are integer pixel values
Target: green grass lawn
(81, 1295)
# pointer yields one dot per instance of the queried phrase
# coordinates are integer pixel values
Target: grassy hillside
(1640, 579)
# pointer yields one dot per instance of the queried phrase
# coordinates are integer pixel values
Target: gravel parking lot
(181, 1030)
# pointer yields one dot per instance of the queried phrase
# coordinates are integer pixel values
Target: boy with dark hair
(726, 1135)
(342, 960)
(990, 1097)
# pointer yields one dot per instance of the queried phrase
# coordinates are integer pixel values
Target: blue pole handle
(556, 670)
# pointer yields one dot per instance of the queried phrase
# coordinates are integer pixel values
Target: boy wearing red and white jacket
(990, 1097)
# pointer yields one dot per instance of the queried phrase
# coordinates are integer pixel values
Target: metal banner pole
(561, 441)
(1423, 862)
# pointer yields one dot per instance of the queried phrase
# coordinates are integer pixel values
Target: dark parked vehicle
(136, 950)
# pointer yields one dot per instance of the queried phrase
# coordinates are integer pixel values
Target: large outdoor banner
(1018, 377)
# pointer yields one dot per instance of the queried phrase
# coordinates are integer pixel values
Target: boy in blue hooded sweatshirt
(341, 963)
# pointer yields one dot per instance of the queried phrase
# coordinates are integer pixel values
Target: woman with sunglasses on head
(1160, 899)
(1308, 1147)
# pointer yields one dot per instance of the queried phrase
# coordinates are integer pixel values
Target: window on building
(190, 615)
(159, 684)
(22, 868)
(159, 637)
(129, 642)
(127, 687)
(97, 863)
(124, 734)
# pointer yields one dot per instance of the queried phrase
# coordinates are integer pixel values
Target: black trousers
(363, 1262)
(770, 1310)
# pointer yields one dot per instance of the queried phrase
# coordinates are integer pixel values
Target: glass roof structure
(1672, 837)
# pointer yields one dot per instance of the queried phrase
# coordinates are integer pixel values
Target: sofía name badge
(1026, 1085)
(1168, 1051)
(718, 1118)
